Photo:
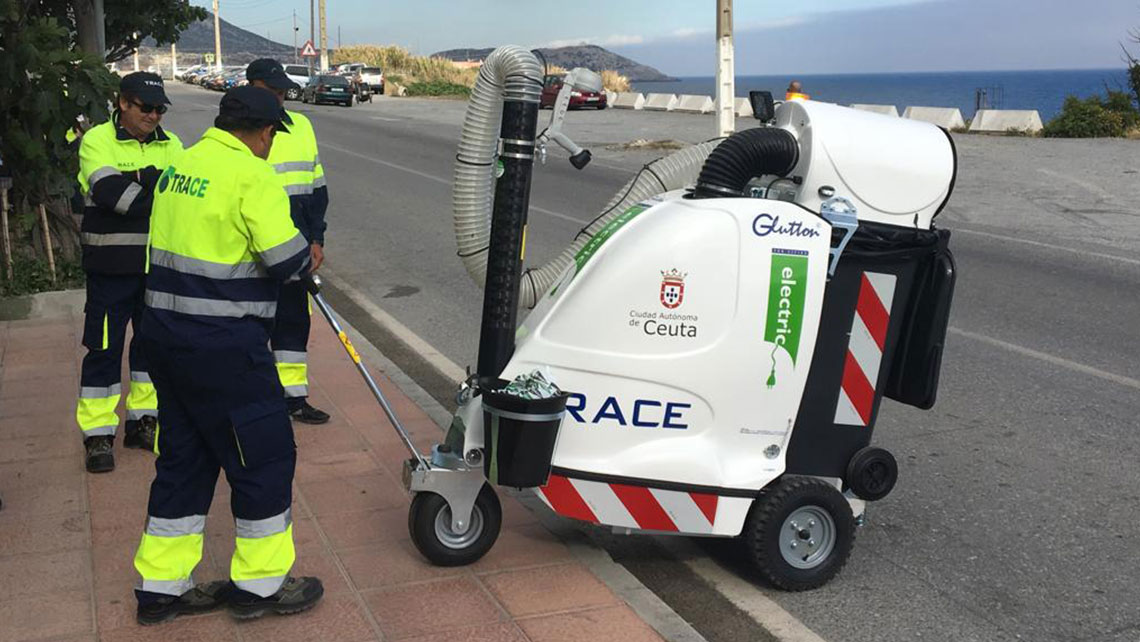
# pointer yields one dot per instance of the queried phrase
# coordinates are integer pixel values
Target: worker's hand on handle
(317, 255)
(312, 283)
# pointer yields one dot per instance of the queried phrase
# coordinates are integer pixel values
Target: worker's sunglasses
(146, 109)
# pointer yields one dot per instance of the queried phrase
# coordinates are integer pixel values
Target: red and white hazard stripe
(638, 507)
(865, 349)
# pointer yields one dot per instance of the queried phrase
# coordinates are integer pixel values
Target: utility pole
(725, 71)
(312, 33)
(295, 56)
(324, 38)
(217, 39)
(338, 36)
(90, 33)
(173, 62)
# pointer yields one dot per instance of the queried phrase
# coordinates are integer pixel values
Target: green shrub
(1093, 117)
(31, 276)
(438, 88)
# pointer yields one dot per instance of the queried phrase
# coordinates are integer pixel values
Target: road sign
(209, 58)
(308, 50)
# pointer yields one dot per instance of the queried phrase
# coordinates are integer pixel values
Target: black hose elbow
(762, 151)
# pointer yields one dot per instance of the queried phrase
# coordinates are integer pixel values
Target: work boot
(100, 458)
(140, 433)
(200, 599)
(295, 595)
(307, 414)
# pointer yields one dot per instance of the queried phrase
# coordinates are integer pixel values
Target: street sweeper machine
(719, 338)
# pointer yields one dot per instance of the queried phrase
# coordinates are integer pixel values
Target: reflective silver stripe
(210, 307)
(319, 181)
(257, 528)
(261, 587)
(100, 174)
(128, 197)
(209, 269)
(168, 587)
(100, 431)
(140, 376)
(87, 200)
(297, 391)
(96, 392)
(134, 414)
(290, 356)
(299, 190)
(176, 527)
(91, 238)
(316, 160)
(294, 166)
(285, 251)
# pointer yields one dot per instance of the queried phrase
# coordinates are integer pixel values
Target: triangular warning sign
(308, 50)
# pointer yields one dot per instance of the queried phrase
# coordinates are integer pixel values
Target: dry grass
(401, 66)
(613, 81)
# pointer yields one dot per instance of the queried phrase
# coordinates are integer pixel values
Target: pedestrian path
(67, 538)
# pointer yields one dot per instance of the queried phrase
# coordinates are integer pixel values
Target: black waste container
(519, 436)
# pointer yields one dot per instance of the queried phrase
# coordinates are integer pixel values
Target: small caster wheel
(429, 522)
(872, 473)
(799, 533)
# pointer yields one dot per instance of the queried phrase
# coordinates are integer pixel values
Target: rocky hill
(237, 43)
(588, 56)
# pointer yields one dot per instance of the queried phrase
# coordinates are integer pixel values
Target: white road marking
(746, 597)
(439, 179)
(1090, 187)
(441, 363)
(390, 120)
(1060, 248)
(1127, 382)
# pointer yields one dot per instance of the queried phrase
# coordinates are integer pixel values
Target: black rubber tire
(421, 525)
(292, 94)
(763, 527)
(601, 107)
(872, 473)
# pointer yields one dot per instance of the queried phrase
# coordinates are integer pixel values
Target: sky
(792, 36)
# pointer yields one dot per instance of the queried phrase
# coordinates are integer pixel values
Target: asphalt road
(1016, 513)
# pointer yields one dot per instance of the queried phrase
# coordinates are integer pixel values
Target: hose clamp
(515, 141)
(518, 156)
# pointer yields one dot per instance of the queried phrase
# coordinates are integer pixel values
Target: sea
(1044, 91)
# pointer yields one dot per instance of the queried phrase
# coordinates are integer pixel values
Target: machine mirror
(763, 107)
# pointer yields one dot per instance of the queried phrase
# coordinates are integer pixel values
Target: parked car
(300, 75)
(578, 99)
(328, 88)
(374, 78)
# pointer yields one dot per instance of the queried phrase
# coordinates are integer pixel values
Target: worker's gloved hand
(148, 177)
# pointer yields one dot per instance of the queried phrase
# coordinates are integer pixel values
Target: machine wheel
(799, 533)
(601, 107)
(429, 521)
(872, 473)
(292, 94)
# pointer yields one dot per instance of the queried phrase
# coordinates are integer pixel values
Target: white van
(298, 74)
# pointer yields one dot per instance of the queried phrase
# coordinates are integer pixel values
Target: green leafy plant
(438, 88)
(1094, 117)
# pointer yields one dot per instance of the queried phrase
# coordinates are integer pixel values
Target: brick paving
(67, 538)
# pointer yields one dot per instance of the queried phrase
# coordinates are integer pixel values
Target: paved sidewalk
(67, 538)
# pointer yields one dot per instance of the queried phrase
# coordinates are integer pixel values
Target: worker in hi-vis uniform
(119, 163)
(221, 244)
(294, 156)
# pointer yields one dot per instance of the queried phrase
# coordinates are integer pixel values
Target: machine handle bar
(313, 285)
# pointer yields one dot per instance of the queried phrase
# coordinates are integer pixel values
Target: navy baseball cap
(270, 72)
(145, 86)
(254, 103)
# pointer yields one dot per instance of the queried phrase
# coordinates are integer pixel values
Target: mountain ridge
(589, 56)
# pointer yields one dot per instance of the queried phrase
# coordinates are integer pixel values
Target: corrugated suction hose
(762, 151)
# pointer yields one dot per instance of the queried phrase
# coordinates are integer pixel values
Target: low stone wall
(1004, 120)
(948, 117)
(886, 110)
(661, 102)
(628, 100)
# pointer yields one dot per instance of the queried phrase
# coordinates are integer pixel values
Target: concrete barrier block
(1003, 120)
(742, 107)
(610, 96)
(691, 104)
(886, 110)
(628, 100)
(661, 102)
(948, 117)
